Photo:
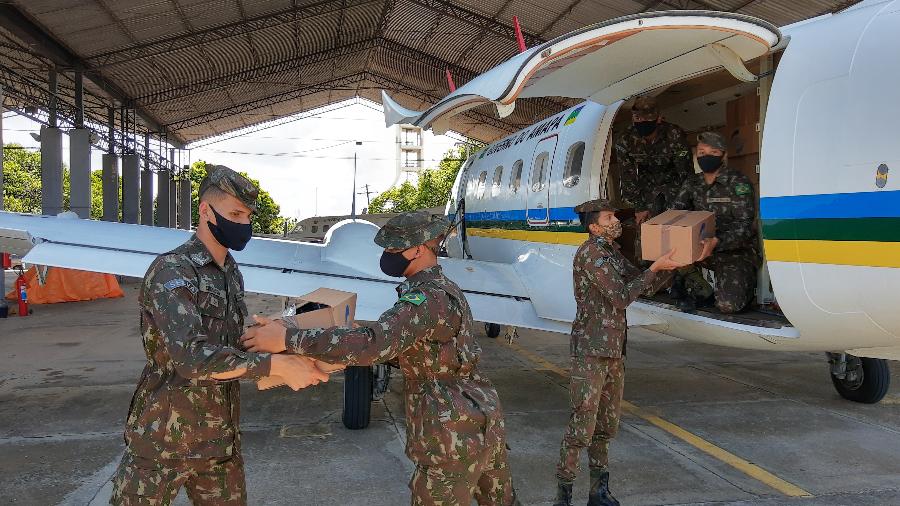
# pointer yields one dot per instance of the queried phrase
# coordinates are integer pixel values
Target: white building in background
(410, 153)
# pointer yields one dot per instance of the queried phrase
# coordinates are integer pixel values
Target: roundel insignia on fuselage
(881, 176)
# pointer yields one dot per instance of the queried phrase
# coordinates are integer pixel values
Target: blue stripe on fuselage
(879, 204)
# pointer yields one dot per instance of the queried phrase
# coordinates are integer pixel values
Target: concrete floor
(68, 373)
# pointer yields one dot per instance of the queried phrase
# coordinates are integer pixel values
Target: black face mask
(233, 236)
(709, 163)
(645, 128)
(394, 264)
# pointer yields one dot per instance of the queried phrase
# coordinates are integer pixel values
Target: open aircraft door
(539, 182)
(609, 61)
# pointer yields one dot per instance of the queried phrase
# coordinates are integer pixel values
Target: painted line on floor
(752, 470)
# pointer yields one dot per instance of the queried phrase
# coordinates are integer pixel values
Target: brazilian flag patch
(415, 298)
(742, 188)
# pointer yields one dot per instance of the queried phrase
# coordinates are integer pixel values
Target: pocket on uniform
(211, 305)
(141, 477)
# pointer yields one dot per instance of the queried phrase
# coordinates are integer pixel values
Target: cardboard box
(682, 230)
(743, 140)
(742, 111)
(322, 308)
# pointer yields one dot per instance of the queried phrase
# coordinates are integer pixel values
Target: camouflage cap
(596, 205)
(644, 105)
(231, 183)
(714, 140)
(411, 229)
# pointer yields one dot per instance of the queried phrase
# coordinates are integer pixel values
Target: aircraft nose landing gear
(859, 379)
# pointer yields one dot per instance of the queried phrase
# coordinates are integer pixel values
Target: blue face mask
(233, 236)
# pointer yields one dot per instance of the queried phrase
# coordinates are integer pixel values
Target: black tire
(876, 379)
(357, 397)
(492, 330)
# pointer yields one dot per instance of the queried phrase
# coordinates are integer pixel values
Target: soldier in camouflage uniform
(455, 432)
(182, 425)
(605, 284)
(655, 159)
(734, 253)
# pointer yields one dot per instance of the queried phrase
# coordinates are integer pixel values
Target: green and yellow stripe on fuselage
(842, 229)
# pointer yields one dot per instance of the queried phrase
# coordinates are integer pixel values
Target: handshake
(267, 335)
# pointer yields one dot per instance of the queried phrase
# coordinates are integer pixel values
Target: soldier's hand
(666, 263)
(296, 371)
(329, 368)
(641, 216)
(708, 246)
(266, 336)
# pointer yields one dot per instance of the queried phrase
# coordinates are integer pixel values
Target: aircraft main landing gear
(859, 379)
(362, 385)
(492, 330)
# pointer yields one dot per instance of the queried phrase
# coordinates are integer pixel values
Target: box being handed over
(681, 230)
(322, 308)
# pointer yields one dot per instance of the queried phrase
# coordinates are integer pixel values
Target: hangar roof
(199, 68)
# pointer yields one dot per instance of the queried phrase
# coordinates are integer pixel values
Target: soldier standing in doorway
(655, 160)
(455, 433)
(182, 425)
(605, 284)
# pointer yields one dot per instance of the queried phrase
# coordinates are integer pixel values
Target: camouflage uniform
(736, 258)
(455, 431)
(653, 166)
(605, 284)
(182, 425)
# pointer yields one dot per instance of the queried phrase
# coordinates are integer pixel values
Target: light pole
(353, 207)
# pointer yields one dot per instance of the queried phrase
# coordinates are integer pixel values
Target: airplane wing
(348, 260)
(608, 61)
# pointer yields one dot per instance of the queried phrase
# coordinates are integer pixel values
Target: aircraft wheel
(357, 397)
(492, 330)
(861, 379)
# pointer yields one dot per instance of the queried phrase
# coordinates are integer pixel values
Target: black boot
(686, 304)
(563, 494)
(599, 494)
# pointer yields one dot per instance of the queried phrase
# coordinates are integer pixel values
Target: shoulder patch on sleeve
(415, 297)
(742, 188)
(172, 284)
(600, 262)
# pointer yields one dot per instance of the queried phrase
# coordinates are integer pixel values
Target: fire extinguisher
(7, 261)
(22, 293)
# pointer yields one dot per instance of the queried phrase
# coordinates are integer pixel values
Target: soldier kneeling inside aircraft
(455, 432)
(733, 254)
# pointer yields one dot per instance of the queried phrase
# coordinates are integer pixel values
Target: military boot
(563, 494)
(684, 301)
(599, 494)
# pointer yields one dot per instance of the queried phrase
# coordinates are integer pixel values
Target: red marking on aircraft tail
(519, 37)
(450, 81)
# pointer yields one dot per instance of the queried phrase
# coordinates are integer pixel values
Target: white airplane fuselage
(829, 211)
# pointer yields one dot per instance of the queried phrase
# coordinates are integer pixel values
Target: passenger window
(495, 186)
(325, 228)
(539, 171)
(481, 186)
(516, 180)
(574, 161)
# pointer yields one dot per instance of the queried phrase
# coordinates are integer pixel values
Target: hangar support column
(51, 158)
(146, 186)
(185, 202)
(111, 174)
(80, 157)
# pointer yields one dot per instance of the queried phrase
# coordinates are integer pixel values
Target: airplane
(827, 205)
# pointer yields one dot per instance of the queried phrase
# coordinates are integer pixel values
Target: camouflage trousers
(487, 481)
(735, 280)
(151, 482)
(595, 387)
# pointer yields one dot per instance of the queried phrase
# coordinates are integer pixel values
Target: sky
(306, 165)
